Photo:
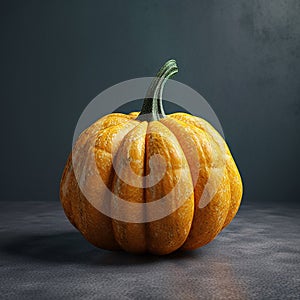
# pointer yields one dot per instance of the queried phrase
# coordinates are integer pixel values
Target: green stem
(152, 108)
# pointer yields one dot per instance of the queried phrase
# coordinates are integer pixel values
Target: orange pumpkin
(197, 176)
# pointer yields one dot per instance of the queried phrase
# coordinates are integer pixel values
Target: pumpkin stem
(152, 108)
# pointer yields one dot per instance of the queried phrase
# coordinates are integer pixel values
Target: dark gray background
(242, 56)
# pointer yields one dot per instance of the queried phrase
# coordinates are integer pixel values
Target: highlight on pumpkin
(151, 182)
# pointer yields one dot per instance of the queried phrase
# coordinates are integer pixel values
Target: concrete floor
(43, 257)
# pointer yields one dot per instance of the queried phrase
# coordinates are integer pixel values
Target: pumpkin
(196, 174)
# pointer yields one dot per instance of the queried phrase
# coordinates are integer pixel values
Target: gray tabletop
(44, 257)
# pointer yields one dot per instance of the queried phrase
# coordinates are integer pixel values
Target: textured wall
(242, 56)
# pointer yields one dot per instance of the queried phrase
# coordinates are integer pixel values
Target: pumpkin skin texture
(119, 145)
